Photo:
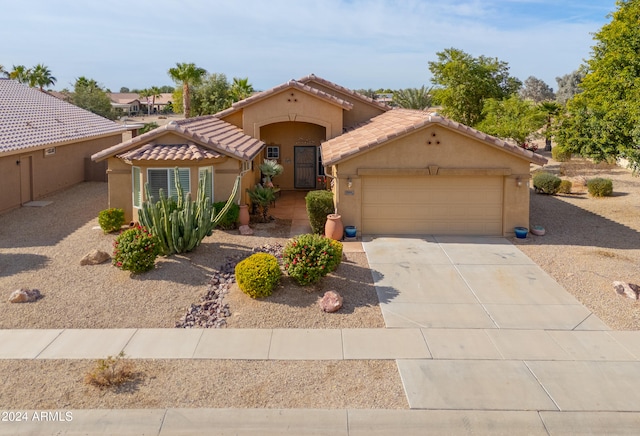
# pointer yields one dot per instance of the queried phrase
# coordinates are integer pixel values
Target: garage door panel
(433, 205)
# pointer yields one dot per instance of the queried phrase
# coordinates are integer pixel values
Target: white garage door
(441, 205)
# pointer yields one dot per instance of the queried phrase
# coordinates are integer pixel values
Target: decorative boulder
(627, 289)
(245, 230)
(95, 257)
(24, 295)
(330, 302)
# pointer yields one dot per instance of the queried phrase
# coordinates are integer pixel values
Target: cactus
(181, 225)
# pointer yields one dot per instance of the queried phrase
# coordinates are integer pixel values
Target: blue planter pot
(521, 232)
(350, 231)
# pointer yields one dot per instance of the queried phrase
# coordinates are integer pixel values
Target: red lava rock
(330, 302)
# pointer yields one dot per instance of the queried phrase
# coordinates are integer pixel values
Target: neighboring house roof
(290, 84)
(132, 97)
(31, 118)
(400, 122)
(342, 89)
(153, 151)
(207, 132)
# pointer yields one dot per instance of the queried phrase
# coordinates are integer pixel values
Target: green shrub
(546, 183)
(319, 205)
(229, 219)
(565, 187)
(136, 250)
(111, 220)
(600, 187)
(307, 258)
(258, 275)
(560, 155)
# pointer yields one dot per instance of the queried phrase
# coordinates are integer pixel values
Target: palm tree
(41, 76)
(550, 109)
(20, 73)
(187, 75)
(153, 92)
(413, 98)
(4, 72)
(240, 89)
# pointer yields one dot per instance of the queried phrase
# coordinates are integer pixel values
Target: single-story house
(46, 144)
(134, 104)
(392, 171)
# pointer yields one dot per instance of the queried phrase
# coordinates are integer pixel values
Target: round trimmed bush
(565, 187)
(319, 205)
(308, 258)
(258, 275)
(136, 250)
(230, 218)
(110, 220)
(546, 183)
(600, 187)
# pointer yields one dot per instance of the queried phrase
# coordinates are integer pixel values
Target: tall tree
(536, 90)
(550, 109)
(240, 89)
(187, 75)
(568, 86)
(40, 76)
(20, 73)
(464, 82)
(150, 93)
(212, 95)
(603, 121)
(4, 72)
(88, 95)
(512, 118)
(413, 98)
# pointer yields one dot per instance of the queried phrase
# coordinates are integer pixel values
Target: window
(206, 174)
(273, 152)
(135, 182)
(320, 166)
(164, 178)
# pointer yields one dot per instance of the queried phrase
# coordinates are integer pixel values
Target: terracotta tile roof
(171, 152)
(130, 97)
(208, 132)
(399, 122)
(290, 84)
(30, 118)
(313, 78)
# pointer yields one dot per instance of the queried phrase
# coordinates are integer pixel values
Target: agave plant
(270, 169)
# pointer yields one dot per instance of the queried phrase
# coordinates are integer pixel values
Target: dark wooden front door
(304, 166)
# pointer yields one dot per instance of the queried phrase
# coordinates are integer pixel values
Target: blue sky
(355, 43)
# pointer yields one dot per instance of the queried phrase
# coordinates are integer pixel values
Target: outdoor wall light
(349, 183)
(518, 182)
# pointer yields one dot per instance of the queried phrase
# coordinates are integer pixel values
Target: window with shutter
(164, 178)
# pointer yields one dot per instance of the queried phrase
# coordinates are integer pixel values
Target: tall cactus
(182, 225)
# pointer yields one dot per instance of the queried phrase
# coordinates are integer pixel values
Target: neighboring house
(393, 171)
(133, 104)
(46, 144)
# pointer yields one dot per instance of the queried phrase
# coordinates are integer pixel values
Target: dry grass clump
(112, 371)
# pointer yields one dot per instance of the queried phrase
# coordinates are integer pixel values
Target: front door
(304, 166)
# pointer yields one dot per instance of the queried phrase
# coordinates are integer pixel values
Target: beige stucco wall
(448, 150)
(49, 174)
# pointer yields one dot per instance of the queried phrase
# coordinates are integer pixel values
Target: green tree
(464, 82)
(187, 75)
(124, 89)
(550, 109)
(153, 93)
(20, 73)
(41, 76)
(603, 121)
(240, 89)
(512, 118)
(413, 98)
(536, 90)
(212, 95)
(88, 95)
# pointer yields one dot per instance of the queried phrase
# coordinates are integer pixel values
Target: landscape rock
(245, 230)
(627, 289)
(24, 295)
(330, 302)
(95, 257)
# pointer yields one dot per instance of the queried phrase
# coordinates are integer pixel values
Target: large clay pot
(244, 215)
(333, 228)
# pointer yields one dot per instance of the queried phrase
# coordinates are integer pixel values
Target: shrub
(307, 258)
(319, 205)
(600, 187)
(560, 155)
(111, 220)
(546, 183)
(111, 371)
(136, 250)
(565, 187)
(229, 219)
(258, 275)
(262, 197)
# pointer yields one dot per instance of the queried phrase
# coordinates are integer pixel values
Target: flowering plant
(136, 250)
(307, 258)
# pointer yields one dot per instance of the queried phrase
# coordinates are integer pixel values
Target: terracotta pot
(244, 215)
(333, 228)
